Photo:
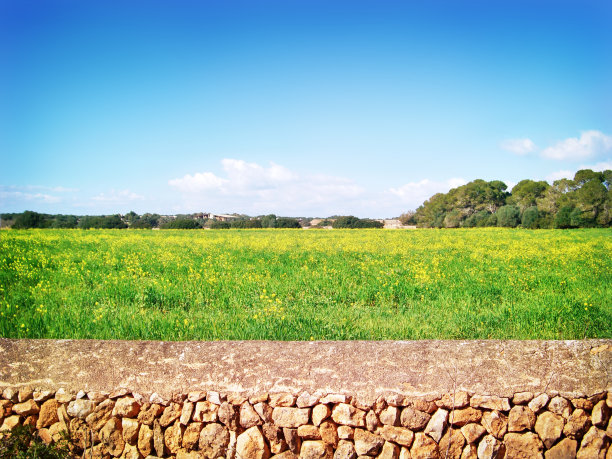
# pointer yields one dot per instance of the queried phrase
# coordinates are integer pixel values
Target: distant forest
(584, 202)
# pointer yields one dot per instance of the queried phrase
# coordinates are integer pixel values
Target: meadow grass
(303, 285)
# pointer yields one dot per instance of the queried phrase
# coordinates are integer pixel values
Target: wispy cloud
(590, 144)
(29, 197)
(119, 197)
(569, 174)
(519, 147)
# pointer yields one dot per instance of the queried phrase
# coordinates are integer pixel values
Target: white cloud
(31, 197)
(569, 174)
(413, 194)
(255, 189)
(590, 145)
(122, 196)
(518, 146)
(558, 175)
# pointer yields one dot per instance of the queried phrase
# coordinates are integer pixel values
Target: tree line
(582, 202)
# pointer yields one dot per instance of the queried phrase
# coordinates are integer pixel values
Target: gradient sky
(300, 108)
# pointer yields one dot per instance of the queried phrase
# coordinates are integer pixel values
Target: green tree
(530, 217)
(30, 219)
(526, 193)
(268, 221)
(181, 223)
(285, 222)
(563, 219)
(508, 216)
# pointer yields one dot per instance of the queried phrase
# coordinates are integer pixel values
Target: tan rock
(119, 392)
(469, 452)
(24, 394)
(364, 403)
(423, 405)
(40, 396)
(577, 424)
(472, 432)
(380, 404)
(228, 415)
(309, 432)
(63, 396)
(186, 412)
(522, 398)
(389, 451)
(495, 423)
(538, 403)
(191, 435)
(565, 449)
(126, 407)
(48, 414)
(320, 413)
(62, 414)
(282, 399)
(465, 416)
(437, 424)
(57, 431)
(549, 427)
(366, 443)
(236, 399)
(214, 440)
(171, 413)
(264, 411)
(205, 412)
(173, 436)
(196, 396)
(275, 437)
(335, 398)
(215, 397)
(149, 412)
(80, 408)
(316, 450)
(490, 402)
(329, 433)
(404, 453)
(398, 400)
(451, 444)
(97, 396)
(285, 455)
(112, 438)
(490, 448)
(158, 439)
(593, 445)
(145, 440)
(415, 419)
(10, 422)
(248, 416)
(599, 417)
(457, 400)
(307, 400)
(290, 417)
(345, 450)
(79, 434)
(292, 439)
(521, 418)
(130, 452)
(583, 404)
(372, 421)
(424, 447)
(525, 446)
(31, 420)
(348, 415)
(251, 445)
(258, 398)
(399, 435)
(345, 432)
(560, 406)
(11, 393)
(130, 428)
(26, 408)
(45, 436)
(390, 416)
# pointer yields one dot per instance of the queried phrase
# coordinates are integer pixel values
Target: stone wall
(558, 420)
(284, 425)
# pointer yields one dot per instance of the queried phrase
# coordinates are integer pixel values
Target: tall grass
(301, 285)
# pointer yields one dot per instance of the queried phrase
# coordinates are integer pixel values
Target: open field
(301, 285)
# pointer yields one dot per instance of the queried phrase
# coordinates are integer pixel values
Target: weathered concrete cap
(361, 368)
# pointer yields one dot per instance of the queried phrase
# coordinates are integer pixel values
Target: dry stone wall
(287, 425)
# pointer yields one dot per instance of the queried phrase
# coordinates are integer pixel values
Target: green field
(303, 285)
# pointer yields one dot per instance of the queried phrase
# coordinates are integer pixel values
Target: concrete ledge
(361, 368)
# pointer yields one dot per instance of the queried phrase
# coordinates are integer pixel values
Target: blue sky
(302, 108)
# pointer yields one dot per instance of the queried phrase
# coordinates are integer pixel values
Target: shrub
(351, 221)
(23, 442)
(563, 219)
(508, 216)
(530, 217)
(246, 224)
(216, 224)
(288, 223)
(181, 223)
